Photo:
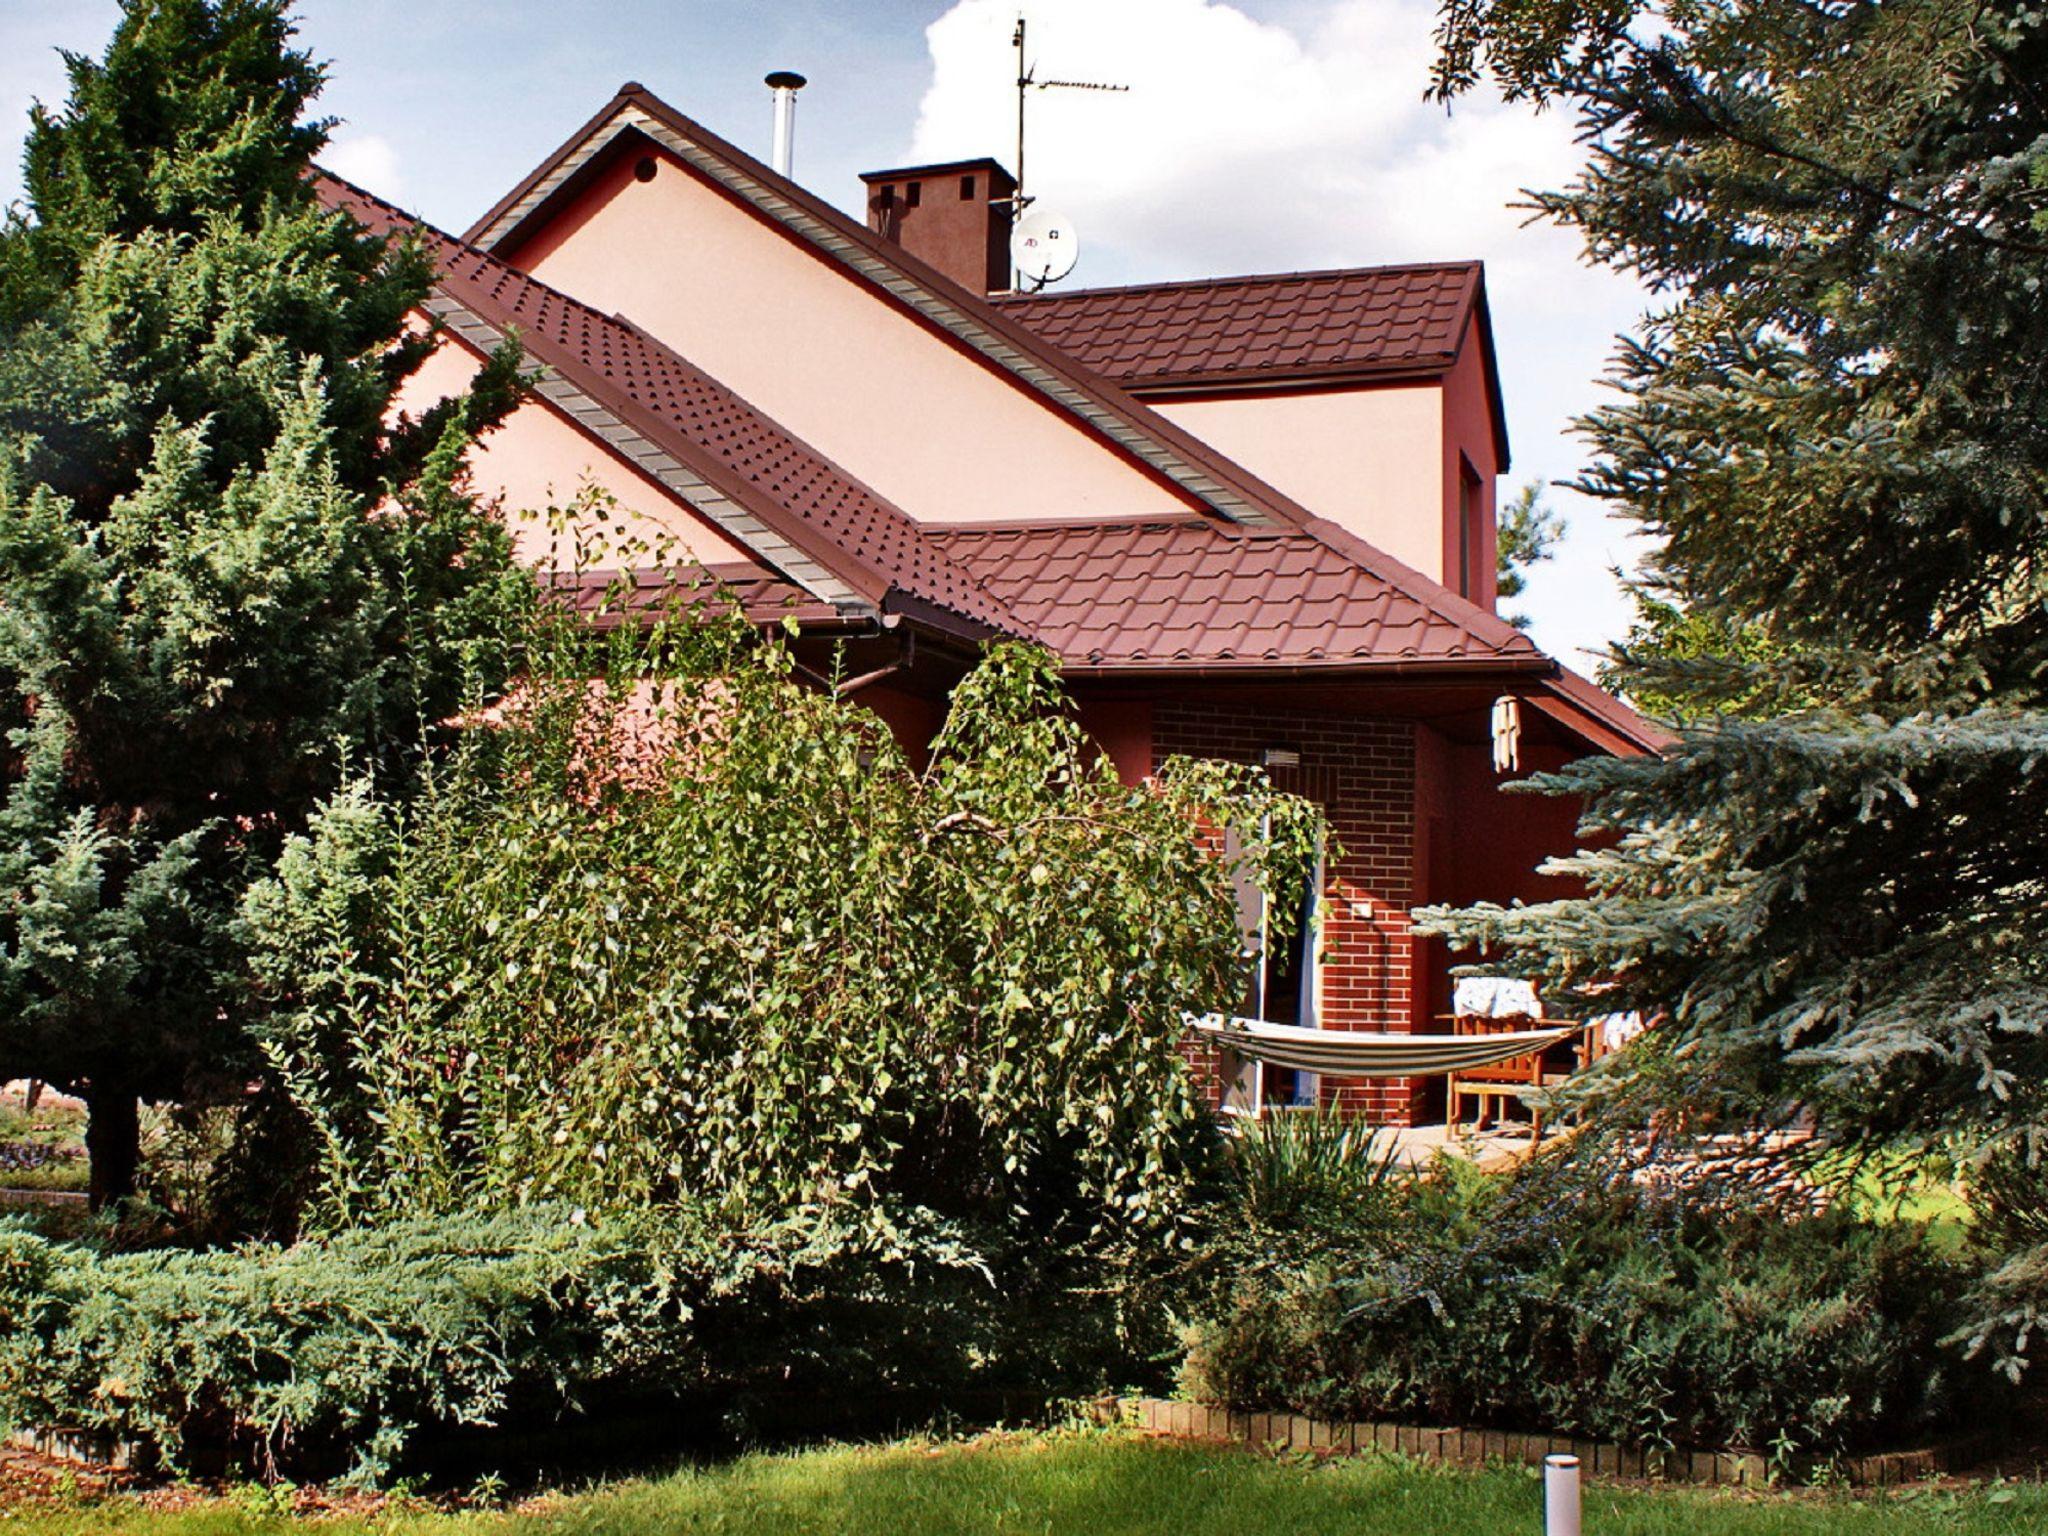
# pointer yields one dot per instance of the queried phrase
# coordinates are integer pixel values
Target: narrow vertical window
(1468, 527)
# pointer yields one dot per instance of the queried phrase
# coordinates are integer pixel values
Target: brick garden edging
(84, 1448)
(1476, 1447)
(41, 1197)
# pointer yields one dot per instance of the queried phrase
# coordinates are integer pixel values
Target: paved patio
(1499, 1145)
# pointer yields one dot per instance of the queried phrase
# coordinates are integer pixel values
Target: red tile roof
(1166, 593)
(738, 450)
(1192, 593)
(1365, 320)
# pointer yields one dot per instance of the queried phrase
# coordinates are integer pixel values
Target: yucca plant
(1312, 1173)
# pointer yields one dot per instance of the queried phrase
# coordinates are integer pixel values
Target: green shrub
(275, 1356)
(681, 1035)
(699, 929)
(338, 1354)
(1295, 1180)
(1575, 1297)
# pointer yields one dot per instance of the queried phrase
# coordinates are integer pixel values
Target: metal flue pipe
(785, 83)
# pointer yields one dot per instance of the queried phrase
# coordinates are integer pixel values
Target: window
(887, 197)
(913, 194)
(1470, 542)
(966, 189)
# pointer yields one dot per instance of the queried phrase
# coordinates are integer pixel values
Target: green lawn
(1094, 1483)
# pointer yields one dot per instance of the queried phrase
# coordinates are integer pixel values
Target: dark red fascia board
(1231, 383)
(631, 90)
(1569, 694)
(1589, 727)
(1482, 326)
(929, 615)
(973, 163)
(1553, 696)
(1254, 670)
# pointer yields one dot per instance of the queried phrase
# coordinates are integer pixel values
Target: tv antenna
(1027, 82)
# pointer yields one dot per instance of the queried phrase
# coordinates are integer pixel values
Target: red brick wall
(1362, 772)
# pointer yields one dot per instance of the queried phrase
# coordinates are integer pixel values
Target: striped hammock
(1356, 1053)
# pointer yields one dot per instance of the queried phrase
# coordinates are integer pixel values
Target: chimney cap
(1005, 182)
(785, 80)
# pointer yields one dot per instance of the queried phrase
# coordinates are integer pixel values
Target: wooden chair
(1515, 1078)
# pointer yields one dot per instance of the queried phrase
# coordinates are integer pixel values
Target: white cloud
(369, 160)
(1246, 146)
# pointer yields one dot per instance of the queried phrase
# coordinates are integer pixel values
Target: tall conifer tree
(224, 580)
(1836, 427)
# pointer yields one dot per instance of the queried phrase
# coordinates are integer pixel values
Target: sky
(1264, 135)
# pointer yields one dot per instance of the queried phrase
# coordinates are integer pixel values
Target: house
(1254, 517)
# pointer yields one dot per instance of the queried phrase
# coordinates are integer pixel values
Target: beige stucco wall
(932, 427)
(535, 460)
(1370, 459)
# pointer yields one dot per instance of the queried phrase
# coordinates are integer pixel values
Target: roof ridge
(963, 527)
(1465, 265)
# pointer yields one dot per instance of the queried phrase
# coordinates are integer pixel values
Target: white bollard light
(1560, 1496)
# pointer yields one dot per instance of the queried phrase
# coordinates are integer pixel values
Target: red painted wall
(913, 718)
(1498, 839)
(1468, 438)
(1480, 844)
(1122, 728)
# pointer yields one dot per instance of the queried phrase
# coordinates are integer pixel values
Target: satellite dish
(1043, 247)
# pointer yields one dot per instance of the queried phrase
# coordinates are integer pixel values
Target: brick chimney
(954, 217)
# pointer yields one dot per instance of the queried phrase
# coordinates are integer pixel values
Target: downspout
(847, 687)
